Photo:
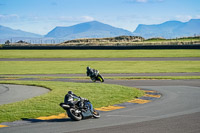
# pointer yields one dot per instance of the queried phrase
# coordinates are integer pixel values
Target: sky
(41, 16)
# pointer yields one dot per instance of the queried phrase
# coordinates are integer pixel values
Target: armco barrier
(196, 46)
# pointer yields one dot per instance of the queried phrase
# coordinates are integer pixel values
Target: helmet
(70, 92)
(88, 68)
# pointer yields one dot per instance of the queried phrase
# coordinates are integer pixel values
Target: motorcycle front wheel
(74, 114)
(96, 114)
(100, 78)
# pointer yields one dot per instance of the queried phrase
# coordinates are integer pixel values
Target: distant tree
(7, 42)
(21, 41)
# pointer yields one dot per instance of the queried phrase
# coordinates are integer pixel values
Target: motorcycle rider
(94, 75)
(71, 97)
(90, 72)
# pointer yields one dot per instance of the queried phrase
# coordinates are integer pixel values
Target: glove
(85, 99)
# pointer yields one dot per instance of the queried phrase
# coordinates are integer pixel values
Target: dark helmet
(88, 68)
(70, 92)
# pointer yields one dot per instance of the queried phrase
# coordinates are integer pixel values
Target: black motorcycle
(94, 75)
(79, 109)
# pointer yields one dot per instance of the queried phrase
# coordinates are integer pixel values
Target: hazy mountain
(8, 33)
(169, 29)
(93, 29)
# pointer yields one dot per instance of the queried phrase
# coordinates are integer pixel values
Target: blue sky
(41, 16)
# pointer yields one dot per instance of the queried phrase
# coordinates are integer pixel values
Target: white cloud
(40, 24)
(144, 1)
(87, 18)
(185, 18)
(10, 17)
(197, 16)
(74, 19)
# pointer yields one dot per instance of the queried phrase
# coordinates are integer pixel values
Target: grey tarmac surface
(177, 110)
(106, 59)
(13, 93)
(178, 124)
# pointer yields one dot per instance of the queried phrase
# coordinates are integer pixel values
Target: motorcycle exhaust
(64, 106)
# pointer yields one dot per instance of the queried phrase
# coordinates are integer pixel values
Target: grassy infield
(99, 94)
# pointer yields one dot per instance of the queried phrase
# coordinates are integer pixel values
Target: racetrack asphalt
(177, 111)
(180, 100)
(13, 93)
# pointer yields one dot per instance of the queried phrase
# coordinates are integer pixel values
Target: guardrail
(196, 46)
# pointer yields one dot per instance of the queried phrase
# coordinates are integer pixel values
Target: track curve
(179, 100)
(13, 93)
(178, 111)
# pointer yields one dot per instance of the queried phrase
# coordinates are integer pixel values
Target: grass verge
(114, 77)
(61, 67)
(98, 53)
(48, 104)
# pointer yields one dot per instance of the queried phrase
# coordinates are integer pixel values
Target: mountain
(169, 29)
(8, 33)
(93, 29)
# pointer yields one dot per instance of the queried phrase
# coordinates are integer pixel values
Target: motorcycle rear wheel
(73, 115)
(93, 79)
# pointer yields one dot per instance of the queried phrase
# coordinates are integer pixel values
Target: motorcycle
(76, 111)
(96, 76)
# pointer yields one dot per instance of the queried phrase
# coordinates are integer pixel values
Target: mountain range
(95, 29)
(169, 29)
(8, 33)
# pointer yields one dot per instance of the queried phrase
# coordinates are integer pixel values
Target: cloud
(74, 19)
(185, 18)
(197, 16)
(10, 17)
(144, 1)
(87, 18)
(40, 24)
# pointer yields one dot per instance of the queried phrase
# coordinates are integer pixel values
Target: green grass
(97, 53)
(48, 104)
(59, 67)
(115, 77)
(47, 78)
(99, 94)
